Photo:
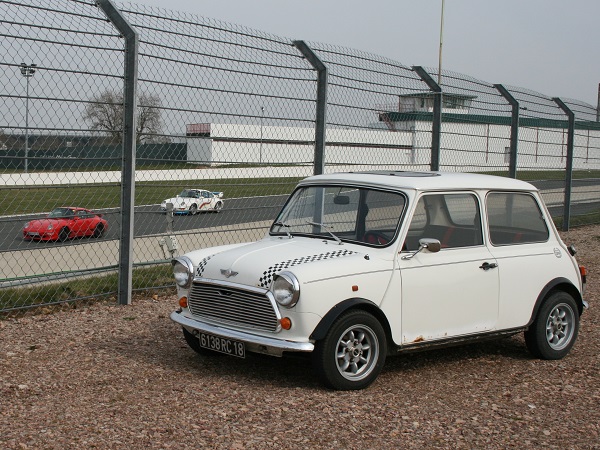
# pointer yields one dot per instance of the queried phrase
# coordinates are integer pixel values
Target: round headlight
(183, 271)
(286, 289)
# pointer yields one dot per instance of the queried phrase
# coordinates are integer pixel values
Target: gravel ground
(109, 376)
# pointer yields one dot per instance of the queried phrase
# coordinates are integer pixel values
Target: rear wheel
(555, 328)
(63, 234)
(218, 206)
(99, 230)
(352, 353)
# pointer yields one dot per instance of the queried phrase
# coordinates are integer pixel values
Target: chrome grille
(228, 303)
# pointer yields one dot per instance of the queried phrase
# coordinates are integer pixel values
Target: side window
(453, 219)
(515, 218)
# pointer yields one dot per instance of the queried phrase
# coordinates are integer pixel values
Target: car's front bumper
(254, 343)
(35, 236)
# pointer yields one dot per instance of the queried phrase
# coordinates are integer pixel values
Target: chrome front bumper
(254, 343)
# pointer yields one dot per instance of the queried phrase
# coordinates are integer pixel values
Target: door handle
(488, 266)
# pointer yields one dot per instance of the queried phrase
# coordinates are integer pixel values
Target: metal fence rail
(94, 117)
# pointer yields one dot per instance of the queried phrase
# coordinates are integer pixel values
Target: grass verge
(33, 199)
(145, 280)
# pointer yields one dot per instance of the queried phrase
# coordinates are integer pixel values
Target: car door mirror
(433, 245)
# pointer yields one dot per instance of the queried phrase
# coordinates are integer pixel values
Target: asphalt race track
(149, 220)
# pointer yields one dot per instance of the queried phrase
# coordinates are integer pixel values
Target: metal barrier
(116, 109)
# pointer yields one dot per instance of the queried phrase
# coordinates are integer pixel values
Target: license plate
(222, 345)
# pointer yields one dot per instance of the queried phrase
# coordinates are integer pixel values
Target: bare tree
(105, 113)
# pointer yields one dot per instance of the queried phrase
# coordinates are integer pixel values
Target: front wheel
(193, 209)
(63, 234)
(555, 328)
(352, 353)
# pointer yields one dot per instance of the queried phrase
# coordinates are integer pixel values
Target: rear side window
(515, 218)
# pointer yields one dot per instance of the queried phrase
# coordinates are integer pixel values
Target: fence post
(436, 126)
(320, 125)
(569, 169)
(129, 148)
(514, 129)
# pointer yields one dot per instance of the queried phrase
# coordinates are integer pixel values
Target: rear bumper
(254, 343)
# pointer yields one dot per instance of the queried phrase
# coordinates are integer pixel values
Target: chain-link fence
(229, 119)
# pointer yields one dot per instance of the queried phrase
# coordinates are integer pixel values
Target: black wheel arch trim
(558, 284)
(326, 322)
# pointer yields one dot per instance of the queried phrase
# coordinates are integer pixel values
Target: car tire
(98, 231)
(194, 343)
(555, 328)
(63, 234)
(193, 209)
(218, 206)
(352, 353)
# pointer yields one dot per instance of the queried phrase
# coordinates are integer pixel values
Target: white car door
(453, 292)
(448, 294)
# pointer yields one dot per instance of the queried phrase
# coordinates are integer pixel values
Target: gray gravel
(108, 376)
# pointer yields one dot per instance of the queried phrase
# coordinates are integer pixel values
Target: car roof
(421, 181)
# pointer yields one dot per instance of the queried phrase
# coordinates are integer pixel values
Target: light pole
(441, 43)
(27, 71)
(262, 115)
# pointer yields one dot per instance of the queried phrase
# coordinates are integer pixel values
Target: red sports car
(65, 223)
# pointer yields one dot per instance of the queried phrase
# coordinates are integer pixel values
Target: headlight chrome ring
(183, 271)
(286, 289)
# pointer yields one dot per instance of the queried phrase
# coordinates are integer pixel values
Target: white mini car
(359, 266)
(192, 201)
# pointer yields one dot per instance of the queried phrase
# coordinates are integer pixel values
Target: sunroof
(401, 173)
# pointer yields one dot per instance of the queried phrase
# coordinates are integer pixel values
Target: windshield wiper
(285, 226)
(327, 228)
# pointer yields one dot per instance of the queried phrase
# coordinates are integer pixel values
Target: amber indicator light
(183, 302)
(286, 323)
(583, 272)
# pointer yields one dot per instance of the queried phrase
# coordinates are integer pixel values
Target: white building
(403, 138)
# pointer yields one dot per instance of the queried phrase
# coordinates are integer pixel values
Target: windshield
(189, 193)
(60, 212)
(342, 213)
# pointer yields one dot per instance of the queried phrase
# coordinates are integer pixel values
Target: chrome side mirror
(432, 245)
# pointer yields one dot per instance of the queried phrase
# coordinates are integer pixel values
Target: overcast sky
(549, 46)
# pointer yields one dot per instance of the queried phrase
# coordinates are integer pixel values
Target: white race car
(191, 201)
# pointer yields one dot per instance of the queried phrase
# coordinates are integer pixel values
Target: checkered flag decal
(202, 266)
(267, 276)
